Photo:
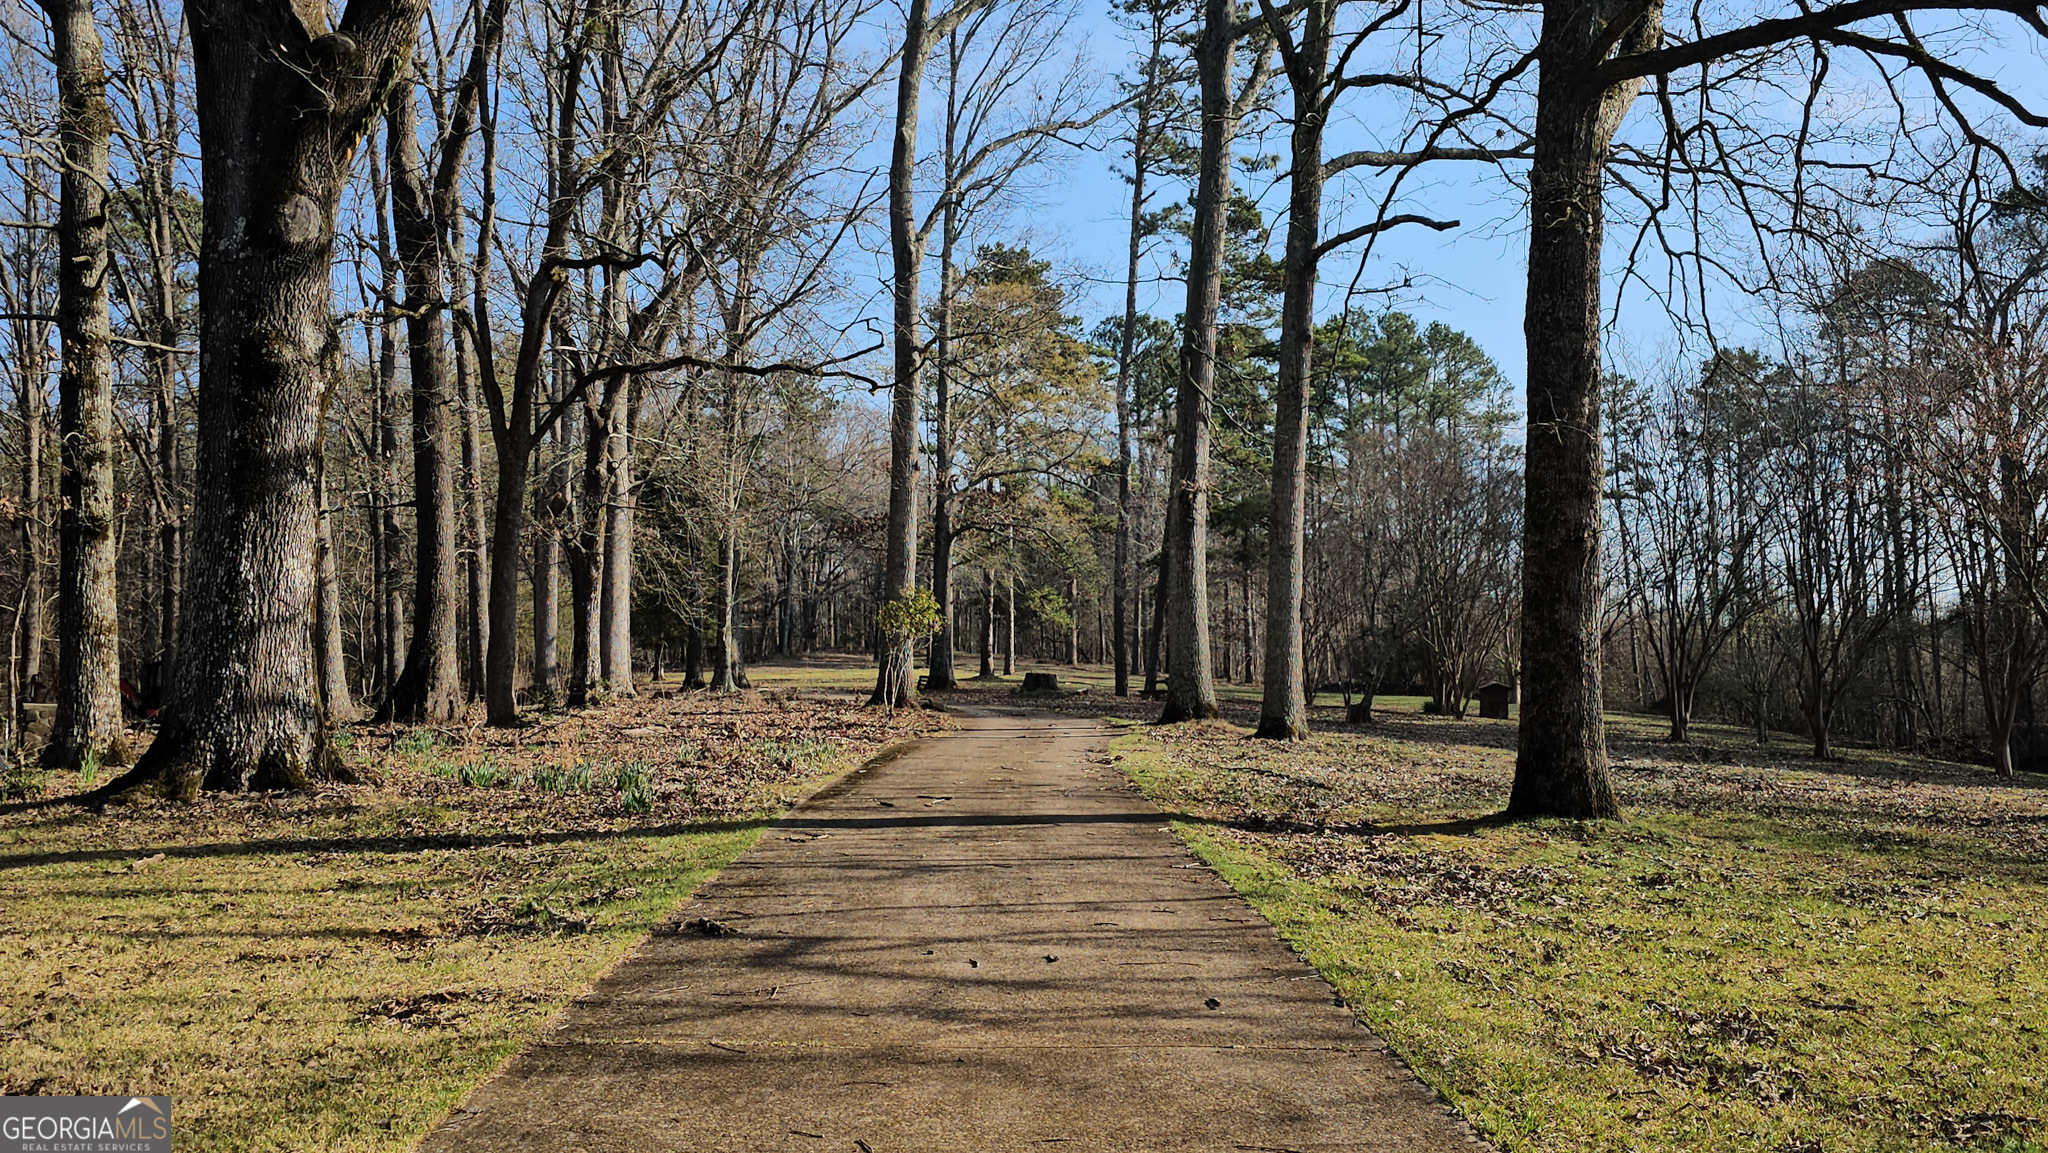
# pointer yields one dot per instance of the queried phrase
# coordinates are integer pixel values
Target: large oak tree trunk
(1561, 768)
(282, 108)
(429, 687)
(1191, 683)
(88, 720)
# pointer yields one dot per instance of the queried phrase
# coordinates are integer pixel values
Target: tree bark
(1191, 683)
(1283, 709)
(475, 538)
(282, 109)
(988, 626)
(693, 657)
(940, 660)
(28, 624)
(1073, 622)
(515, 425)
(896, 679)
(1561, 768)
(88, 722)
(586, 561)
(1141, 155)
(547, 593)
(171, 532)
(429, 687)
(336, 707)
(389, 555)
(618, 547)
(729, 672)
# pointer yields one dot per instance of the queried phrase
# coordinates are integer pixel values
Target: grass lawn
(332, 971)
(1768, 953)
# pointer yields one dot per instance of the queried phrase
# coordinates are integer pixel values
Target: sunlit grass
(332, 972)
(1775, 957)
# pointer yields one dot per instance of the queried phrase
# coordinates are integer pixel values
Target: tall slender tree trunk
(516, 426)
(429, 685)
(282, 109)
(1010, 624)
(940, 662)
(729, 673)
(547, 596)
(88, 721)
(501, 664)
(792, 613)
(29, 621)
(1191, 683)
(171, 532)
(1561, 767)
(618, 548)
(389, 555)
(988, 625)
(1155, 635)
(551, 500)
(1283, 708)
(330, 662)
(164, 245)
(586, 561)
(475, 537)
(693, 657)
(1120, 572)
(31, 394)
(895, 679)
(1073, 622)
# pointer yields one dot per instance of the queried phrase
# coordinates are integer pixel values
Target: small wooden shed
(1494, 699)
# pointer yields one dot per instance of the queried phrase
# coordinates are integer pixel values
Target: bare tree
(1156, 110)
(896, 683)
(1692, 523)
(1191, 687)
(1593, 58)
(423, 208)
(88, 724)
(1005, 108)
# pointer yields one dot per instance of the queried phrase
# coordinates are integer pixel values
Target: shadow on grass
(1443, 827)
(277, 846)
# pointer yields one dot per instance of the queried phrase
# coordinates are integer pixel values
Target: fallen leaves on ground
(1769, 953)
(332, 970)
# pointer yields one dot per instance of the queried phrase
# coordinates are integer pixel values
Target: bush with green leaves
(909, 617)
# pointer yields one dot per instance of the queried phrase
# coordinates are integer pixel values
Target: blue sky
(1471, 277)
